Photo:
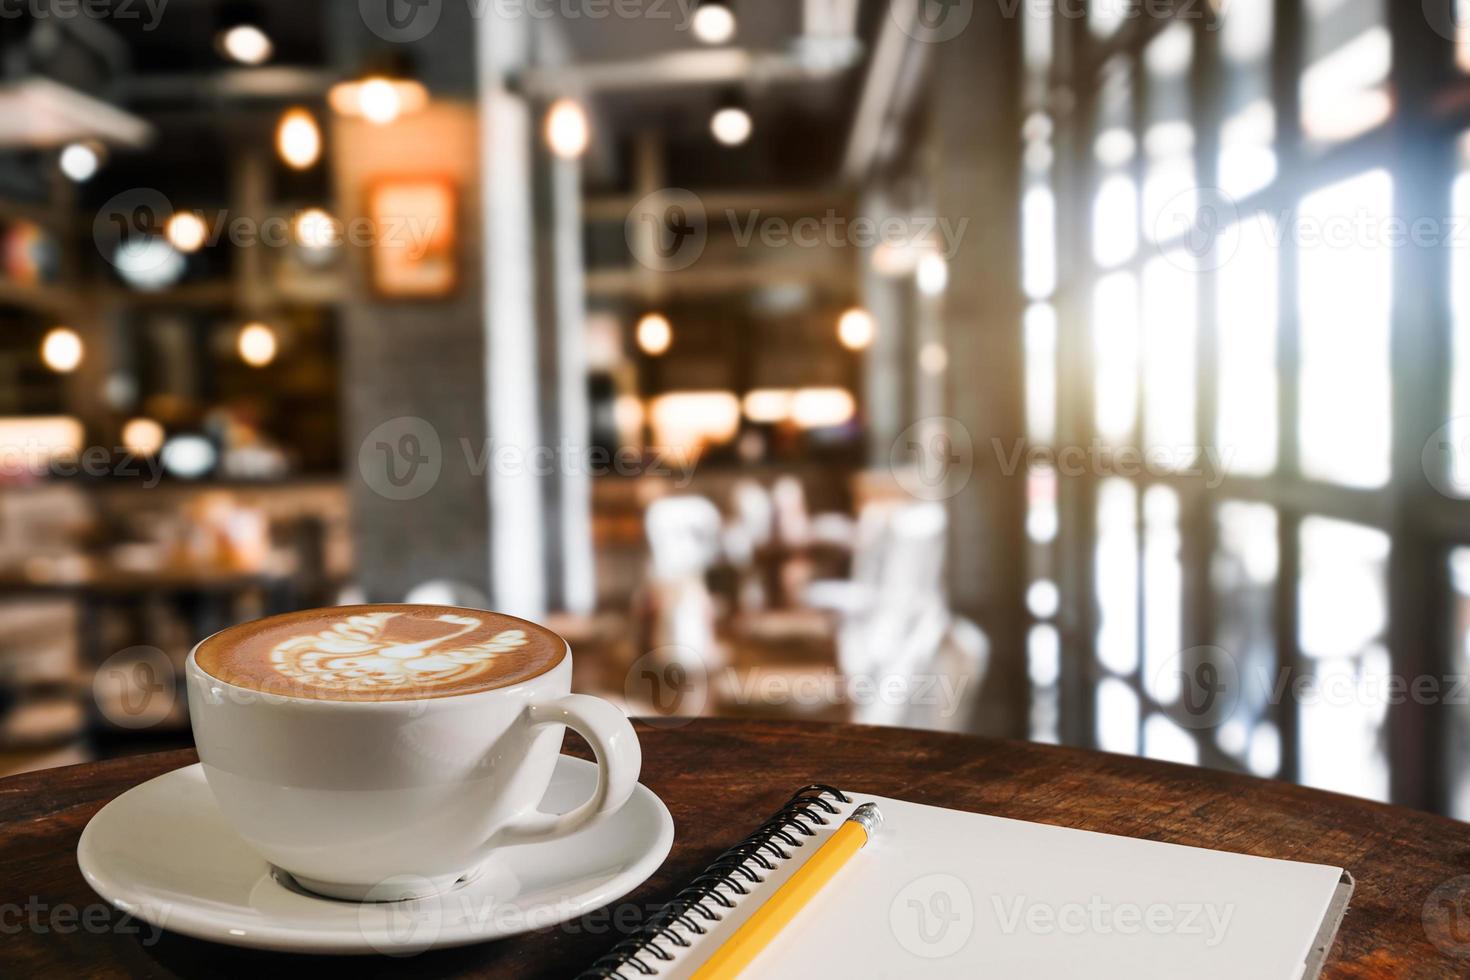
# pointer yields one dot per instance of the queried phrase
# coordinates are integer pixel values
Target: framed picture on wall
(415, 250)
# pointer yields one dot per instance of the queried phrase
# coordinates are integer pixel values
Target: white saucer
(163, 853)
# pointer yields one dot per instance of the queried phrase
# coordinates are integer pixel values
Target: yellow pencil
(757, 931)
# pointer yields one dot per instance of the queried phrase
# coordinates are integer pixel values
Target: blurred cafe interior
(1092, 372)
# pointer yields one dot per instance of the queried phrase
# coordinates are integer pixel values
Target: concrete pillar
(976, 127)
(517, 518)
(566, 413)
(413, 390)
(883, 364)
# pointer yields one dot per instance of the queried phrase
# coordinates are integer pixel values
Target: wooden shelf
(46, 298)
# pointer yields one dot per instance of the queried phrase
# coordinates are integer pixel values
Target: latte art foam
(354, 655)
(376, 653)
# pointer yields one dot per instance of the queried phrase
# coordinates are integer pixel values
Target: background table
(720, 778)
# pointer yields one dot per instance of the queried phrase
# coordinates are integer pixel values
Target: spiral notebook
(943, 893)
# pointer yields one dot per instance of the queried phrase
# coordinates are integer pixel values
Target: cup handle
(619, 759)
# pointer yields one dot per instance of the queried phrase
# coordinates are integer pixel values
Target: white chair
(922, 665)
(683, 541)
(683, 536)
(755, 512)
(793, 524)
(447, 592)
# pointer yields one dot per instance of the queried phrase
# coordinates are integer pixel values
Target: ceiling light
(299, 139)
(693, 419)
(932, 274)
(378, 99)
(79, 161)
(895, 259)
(315, 229)
(189, 456)
(856, 329)
(654, 334)
(567, 131)
(34, 442)
(766, 406)
(256, 344)
(142, 437)
(247, 44)
(933, 358)
(731, 125)
(185, 231)
(714, 23)
(822, 408)
(62, 350)
(628, 415)
(149, 263)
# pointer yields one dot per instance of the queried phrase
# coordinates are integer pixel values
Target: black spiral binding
(641, 954)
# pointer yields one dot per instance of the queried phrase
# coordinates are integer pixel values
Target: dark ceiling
(800, 127)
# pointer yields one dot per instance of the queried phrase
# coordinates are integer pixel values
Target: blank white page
(943, 893)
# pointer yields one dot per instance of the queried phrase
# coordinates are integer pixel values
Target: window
(1246, 304)
(1242, 188)
(1344, 89)
(1044, 667)
(1247, 160)
(1039, 256)
(1456, 460)
(1243, 578)
(1164, 586)
(1345, 292)
(1343, 605)
(1117, 576)
(1041, 372)
(1169, 183)
(1117, 717)
(1115, 204)
(1169, 307)
(1457, 765)
(1115, 340)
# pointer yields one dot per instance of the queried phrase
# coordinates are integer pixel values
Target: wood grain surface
(1410, 915)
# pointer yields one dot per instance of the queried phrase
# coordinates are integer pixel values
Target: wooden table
(720, 777)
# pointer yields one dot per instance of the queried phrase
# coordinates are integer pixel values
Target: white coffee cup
(386, 800)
